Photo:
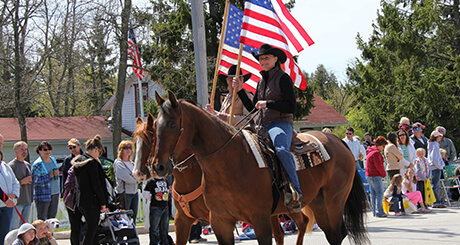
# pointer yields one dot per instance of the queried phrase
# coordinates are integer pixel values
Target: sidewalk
(438, 227)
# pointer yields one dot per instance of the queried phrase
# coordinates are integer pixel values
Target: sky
(333, 25)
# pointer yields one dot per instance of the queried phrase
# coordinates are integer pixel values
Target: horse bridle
(179, 167)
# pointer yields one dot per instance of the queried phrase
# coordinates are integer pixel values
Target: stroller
(115, 226)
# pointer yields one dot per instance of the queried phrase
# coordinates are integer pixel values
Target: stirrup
(291, 197)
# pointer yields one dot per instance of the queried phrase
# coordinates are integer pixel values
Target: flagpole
(219, 54)
(237, 76)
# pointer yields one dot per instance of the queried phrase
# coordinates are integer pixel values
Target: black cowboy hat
(231, 73)
(268, 49)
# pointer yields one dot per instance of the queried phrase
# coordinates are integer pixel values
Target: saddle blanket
(304, 161)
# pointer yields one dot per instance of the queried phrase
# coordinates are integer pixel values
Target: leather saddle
(300, 144)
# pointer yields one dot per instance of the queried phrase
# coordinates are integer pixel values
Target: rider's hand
(261, 104)
(209, 108)
(238, 83)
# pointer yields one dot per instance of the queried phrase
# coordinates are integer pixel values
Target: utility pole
(199, 44)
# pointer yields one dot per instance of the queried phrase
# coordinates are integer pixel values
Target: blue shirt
(51, 166)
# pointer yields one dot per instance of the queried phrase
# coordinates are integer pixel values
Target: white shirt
(354, 146)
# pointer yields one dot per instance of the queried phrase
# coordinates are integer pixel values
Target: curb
(140, 230)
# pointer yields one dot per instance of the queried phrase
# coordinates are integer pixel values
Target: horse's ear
(172, 99)
(139, 120)
(149, 121)
(159, 99)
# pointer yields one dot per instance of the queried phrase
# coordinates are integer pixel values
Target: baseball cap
(73, 141)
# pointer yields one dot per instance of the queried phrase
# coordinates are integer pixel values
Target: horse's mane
(192, 104)
(141, 131)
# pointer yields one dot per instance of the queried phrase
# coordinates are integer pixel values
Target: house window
(145, 95)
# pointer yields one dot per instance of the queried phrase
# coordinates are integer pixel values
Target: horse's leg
(182, 226)
(263, 229)
(278, 232)
(301, 221)
(329, 215)
(223, 229)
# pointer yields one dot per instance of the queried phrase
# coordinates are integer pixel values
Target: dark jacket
(66, 166)
(419, 144)
(374, 163)
(90, 181)
(277, 89)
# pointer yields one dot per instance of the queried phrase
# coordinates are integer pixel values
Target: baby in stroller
(118, 226)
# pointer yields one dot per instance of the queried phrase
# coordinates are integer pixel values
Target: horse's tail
(355, 209)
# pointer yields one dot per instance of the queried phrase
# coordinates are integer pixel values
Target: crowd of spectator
(404, 161)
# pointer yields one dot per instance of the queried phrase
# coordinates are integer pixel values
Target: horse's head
(169, 134)
(144, 138)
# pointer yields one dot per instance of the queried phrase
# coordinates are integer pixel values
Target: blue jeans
(159, 225)
(281, 136)
(25, 211)
(376, 190)
(5, 220)
(396, 202)
(133, 203)
(47, 210)
(435, 177)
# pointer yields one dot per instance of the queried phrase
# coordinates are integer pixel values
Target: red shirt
(374, 163)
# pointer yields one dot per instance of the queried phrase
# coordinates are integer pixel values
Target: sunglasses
(349, 133)
(45, 149)
(72, 147)
(400, 135)
(417, 128)
(127, 148)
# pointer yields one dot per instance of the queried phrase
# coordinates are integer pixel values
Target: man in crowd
(368, 142)
(447, 144)
(418, 139)
(21, 169)
(352, 143)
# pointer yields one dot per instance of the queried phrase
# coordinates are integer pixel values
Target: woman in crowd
(374, 174)
(91, 192)
(436, 165)
(276, 100)
(45, 176)
(9, 187)
(393, 155)
(408, 151)
(126, 182)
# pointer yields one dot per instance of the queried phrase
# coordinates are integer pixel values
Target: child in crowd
(157, 191)
(409, 189)
(43, 235)
(422, 171)
(393, 194)
(26, 235)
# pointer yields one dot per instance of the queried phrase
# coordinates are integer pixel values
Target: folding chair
(450, 181)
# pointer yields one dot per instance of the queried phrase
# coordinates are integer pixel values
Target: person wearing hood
(375, 171)
(26, 235)
(91, 195)
(276, 100)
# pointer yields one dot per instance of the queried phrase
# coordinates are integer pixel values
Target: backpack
(70, 191)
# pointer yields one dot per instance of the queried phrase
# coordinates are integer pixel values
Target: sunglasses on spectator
(417, 128)
(349, 133)
(401, 135)
(45, 149)
(127, 148)
(72, 147)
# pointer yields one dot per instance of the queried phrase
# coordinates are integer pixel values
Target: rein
(179, 165)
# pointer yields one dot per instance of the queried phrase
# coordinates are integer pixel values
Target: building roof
(323, 115)
(56, 128)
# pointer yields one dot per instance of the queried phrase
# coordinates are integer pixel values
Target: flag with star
(231, 47)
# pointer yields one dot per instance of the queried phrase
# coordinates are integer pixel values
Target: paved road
(439, 227)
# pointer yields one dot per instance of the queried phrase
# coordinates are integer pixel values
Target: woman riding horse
(276, 99)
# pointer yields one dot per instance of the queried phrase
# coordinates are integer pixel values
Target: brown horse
(187, 179)
(235, 188)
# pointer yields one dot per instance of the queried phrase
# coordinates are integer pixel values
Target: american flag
(231, 48)
(133, 51)
(264, 22)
